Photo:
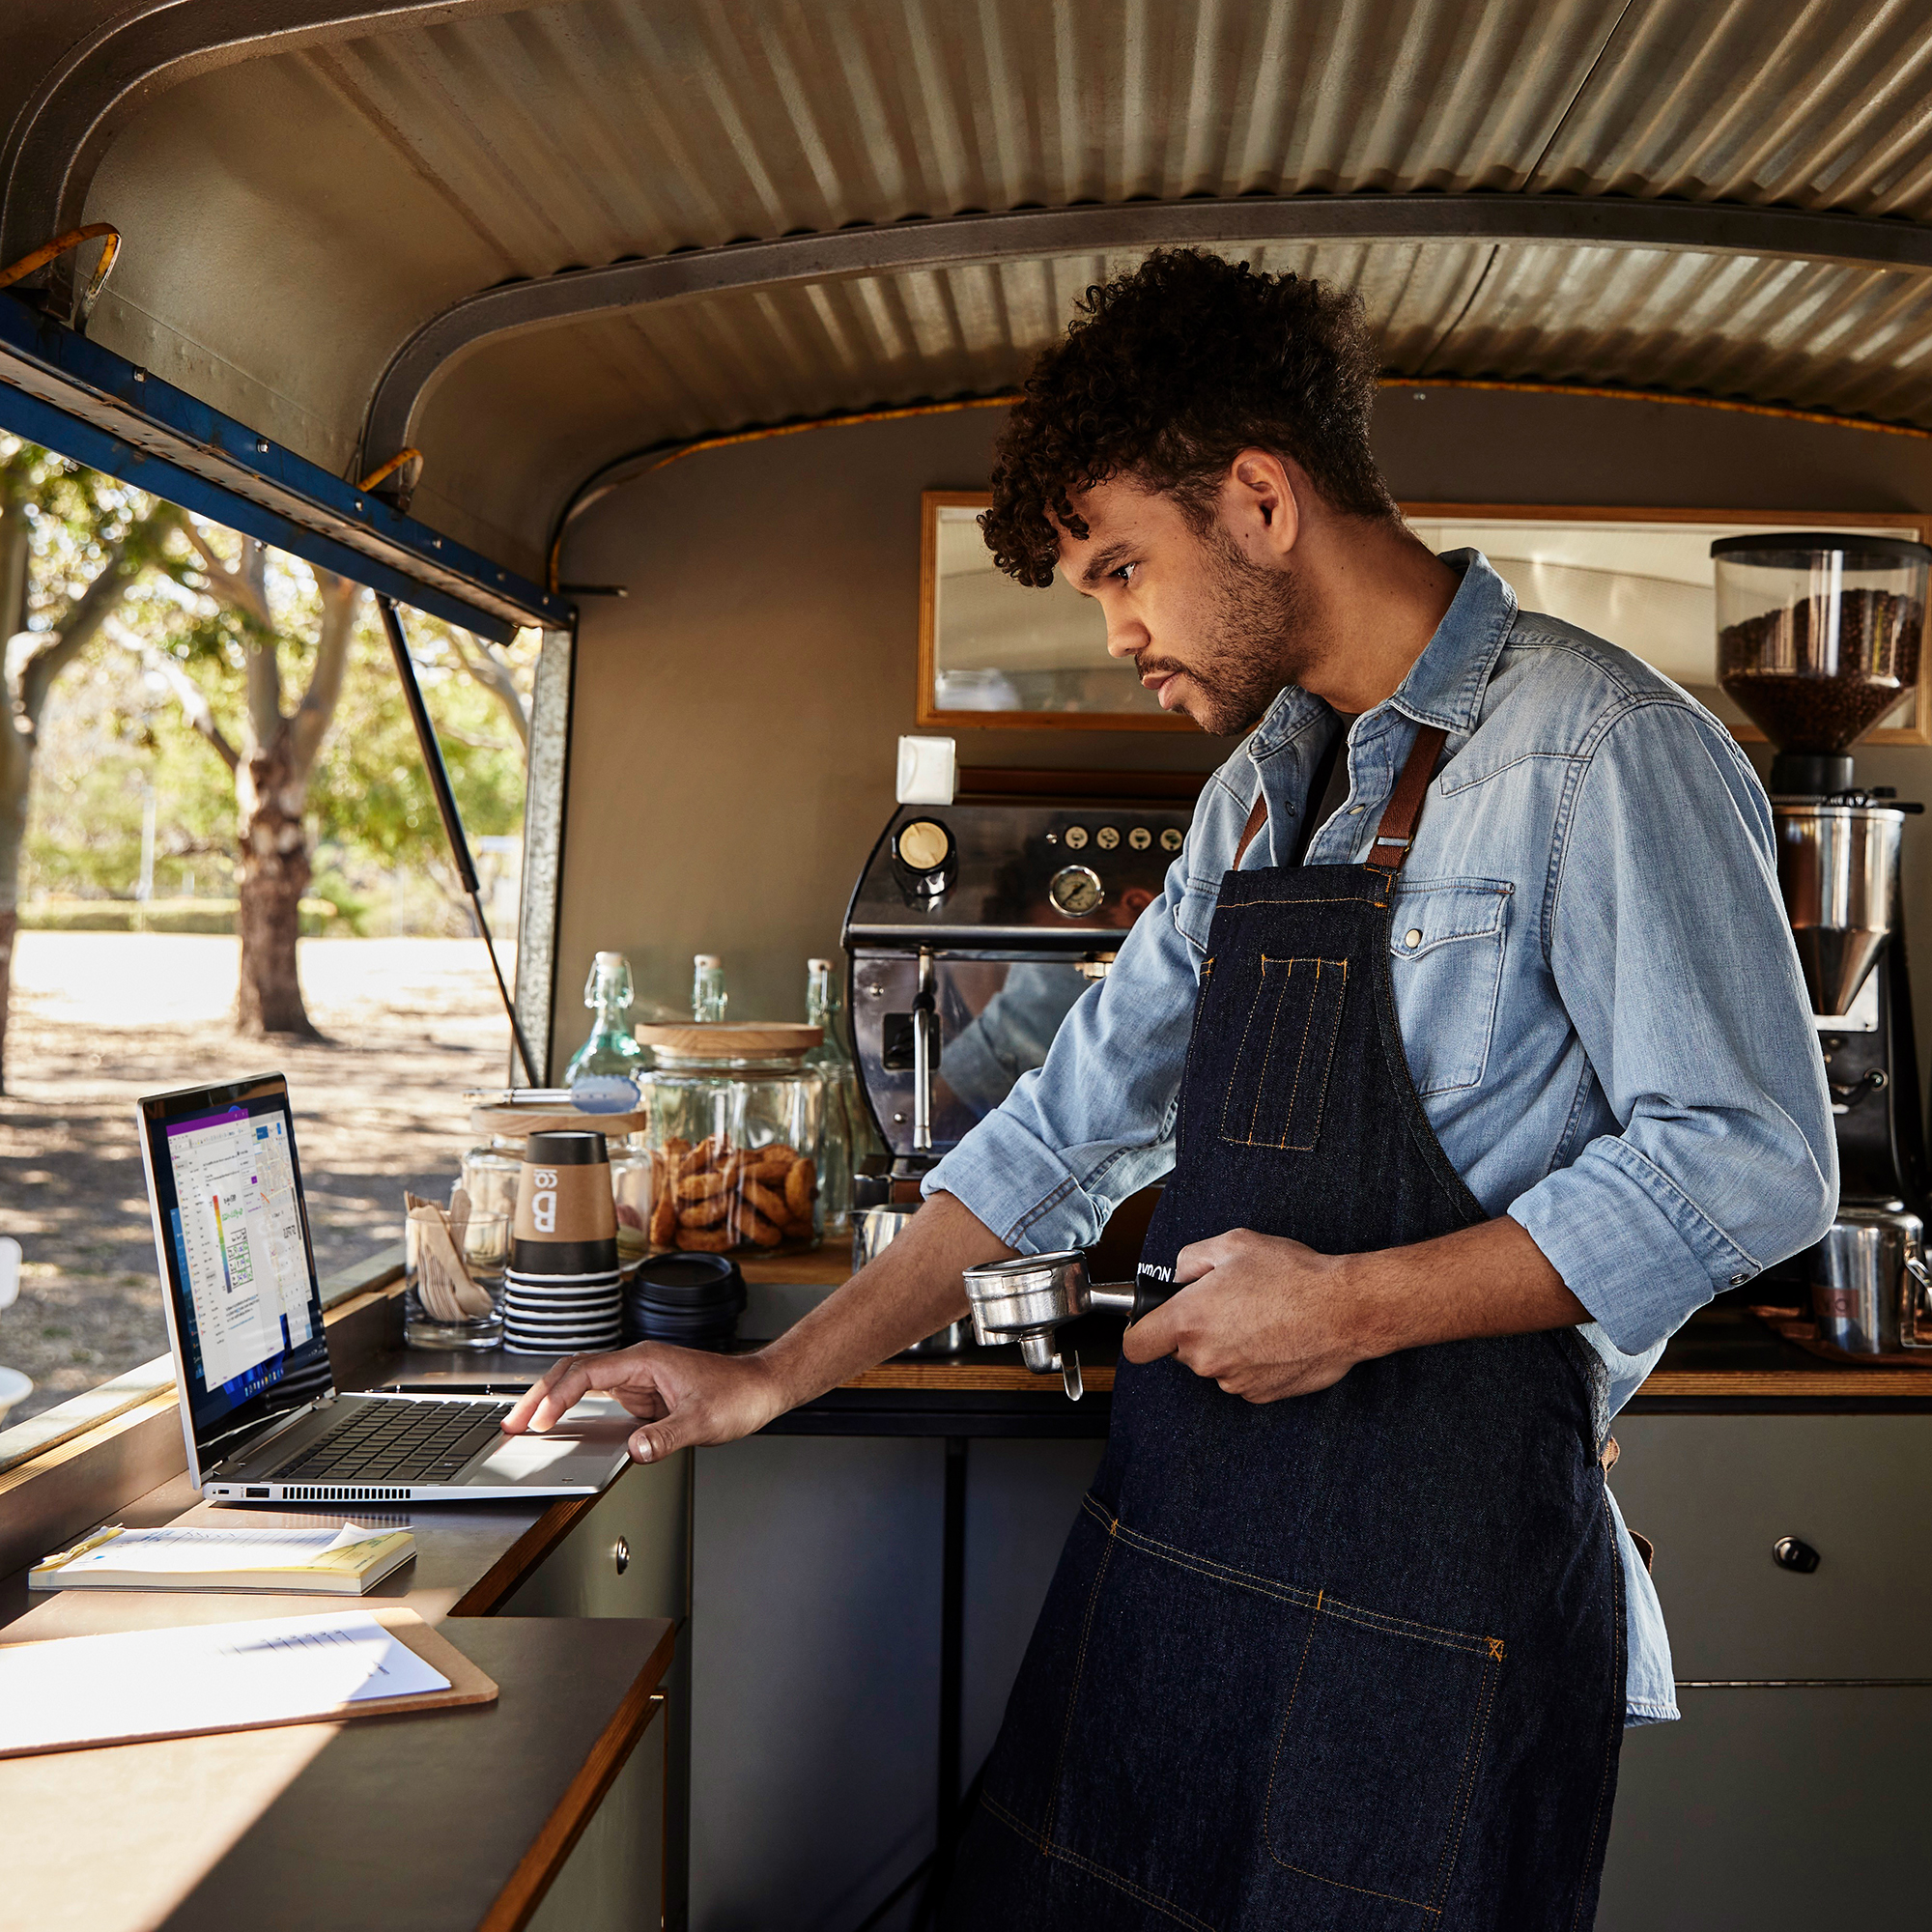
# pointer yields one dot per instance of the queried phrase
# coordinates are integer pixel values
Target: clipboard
(468, 1686)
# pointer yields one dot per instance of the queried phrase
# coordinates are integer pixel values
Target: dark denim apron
(1350, 1659)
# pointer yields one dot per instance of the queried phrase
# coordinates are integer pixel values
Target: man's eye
(1125, 571)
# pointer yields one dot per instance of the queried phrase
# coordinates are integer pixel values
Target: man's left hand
(1262, 1316)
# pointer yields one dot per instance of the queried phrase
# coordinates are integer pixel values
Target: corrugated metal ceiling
(438, 161)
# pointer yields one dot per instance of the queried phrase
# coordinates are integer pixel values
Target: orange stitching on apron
(1285, 1145)
(1048, 1848)
(1079, 1673)
(1241, 1053)
(1293, 1593)
(1446, 1865)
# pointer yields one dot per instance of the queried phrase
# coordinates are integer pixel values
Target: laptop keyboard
(398, 1442)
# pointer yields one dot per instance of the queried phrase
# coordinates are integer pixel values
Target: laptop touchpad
(580, 1447)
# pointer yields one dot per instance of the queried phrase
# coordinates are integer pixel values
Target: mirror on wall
(995, 653)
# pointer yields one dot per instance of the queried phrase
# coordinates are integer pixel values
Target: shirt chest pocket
(1446, 942)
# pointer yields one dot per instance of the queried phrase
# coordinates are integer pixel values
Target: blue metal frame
(62, 391)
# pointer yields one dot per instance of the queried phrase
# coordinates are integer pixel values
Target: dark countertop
(438, 1822)
(1724, 1359)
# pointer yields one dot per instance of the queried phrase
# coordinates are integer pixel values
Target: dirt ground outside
(102, 1017)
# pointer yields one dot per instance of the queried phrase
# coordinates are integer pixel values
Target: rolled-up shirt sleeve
(1666, 938)
(1096, 1123)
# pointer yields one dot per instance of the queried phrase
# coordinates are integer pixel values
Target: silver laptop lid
(238, 1267)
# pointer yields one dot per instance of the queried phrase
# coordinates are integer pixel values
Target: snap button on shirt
(1412, 938)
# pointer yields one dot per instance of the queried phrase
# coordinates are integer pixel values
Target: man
(1470, 1038)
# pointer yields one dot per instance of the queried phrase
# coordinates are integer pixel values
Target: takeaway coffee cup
(566, 1222)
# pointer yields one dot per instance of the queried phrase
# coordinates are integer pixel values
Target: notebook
(336, 1562)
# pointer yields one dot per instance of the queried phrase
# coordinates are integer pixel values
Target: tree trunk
(275, 875)
(16, 772)
(9, 924)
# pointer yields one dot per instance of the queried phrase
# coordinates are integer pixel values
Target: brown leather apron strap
(1258, 816)
(1397, 831)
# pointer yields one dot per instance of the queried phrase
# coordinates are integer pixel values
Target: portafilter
(1025, 1299)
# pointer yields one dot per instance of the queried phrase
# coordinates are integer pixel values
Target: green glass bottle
(602, 1073)
(849, 1135)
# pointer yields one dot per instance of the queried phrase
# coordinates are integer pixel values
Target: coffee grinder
(1819, 635)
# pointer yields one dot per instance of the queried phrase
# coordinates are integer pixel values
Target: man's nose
(1127, 638)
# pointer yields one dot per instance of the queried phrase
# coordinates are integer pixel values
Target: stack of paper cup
(561, 1292)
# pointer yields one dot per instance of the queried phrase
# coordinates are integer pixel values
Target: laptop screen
(232, 1231)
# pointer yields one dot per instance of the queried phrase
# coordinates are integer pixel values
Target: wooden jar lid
(731, 1040)
(553, 1119)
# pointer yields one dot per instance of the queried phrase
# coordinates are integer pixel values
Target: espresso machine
(1819, 635)
(976, 925)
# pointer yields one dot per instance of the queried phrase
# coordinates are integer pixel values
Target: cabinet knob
(620, 1555)
(1791, 1552)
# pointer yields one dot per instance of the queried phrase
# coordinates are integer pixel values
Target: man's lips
(1158, 682)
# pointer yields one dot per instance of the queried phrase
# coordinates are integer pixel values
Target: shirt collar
(1446, 683)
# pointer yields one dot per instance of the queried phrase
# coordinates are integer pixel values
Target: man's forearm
(910, 1292)
(1490, 1279)
(1268, 1317)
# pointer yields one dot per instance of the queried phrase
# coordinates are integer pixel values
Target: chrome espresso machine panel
(974, 929)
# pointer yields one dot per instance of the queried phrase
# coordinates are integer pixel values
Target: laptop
(261, 1414)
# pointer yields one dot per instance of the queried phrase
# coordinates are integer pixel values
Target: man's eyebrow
(1106, 558)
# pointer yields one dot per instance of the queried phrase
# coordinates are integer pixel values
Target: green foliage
(114, 725)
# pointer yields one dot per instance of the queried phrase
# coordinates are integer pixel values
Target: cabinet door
(1716, 1492)
(614, 1880)
(1774, 1811)
(628, 1557)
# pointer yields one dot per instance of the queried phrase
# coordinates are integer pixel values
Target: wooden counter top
(438, 1822)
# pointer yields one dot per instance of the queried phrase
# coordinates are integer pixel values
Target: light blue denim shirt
(1599, 995)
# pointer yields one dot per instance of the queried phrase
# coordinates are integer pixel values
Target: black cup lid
(566, 1146)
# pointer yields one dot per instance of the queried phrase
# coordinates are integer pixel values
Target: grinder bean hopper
(1026, 1298)
(1819, 637)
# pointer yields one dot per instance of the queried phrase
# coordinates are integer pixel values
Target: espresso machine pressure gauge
(1077, 891)
(924, 859)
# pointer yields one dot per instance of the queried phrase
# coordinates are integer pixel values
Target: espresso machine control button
(1170, 840)
(1076, 837)
(1077, 891)
(926, 860)
(1789, 1552)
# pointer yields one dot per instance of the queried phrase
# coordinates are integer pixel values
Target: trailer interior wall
(732, 752)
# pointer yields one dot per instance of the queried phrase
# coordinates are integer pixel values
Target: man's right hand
(684, 1396)
(687, 1398)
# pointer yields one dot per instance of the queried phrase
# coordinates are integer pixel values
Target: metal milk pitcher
(1870, 1287)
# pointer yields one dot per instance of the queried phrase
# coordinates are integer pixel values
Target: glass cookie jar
(736, 1136)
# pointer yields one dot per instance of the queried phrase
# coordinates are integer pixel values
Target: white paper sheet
(197, 1552)
(78, 1691)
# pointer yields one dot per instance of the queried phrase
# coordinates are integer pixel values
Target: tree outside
(254, 669)
(204, 754)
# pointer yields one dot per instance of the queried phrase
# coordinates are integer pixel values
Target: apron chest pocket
(1446, 959)
(1280, 1073)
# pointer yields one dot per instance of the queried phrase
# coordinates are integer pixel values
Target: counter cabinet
(1791, 1794)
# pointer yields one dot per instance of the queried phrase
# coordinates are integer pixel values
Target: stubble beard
(1258, 642)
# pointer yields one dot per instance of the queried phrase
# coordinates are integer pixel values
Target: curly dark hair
(1166, 374)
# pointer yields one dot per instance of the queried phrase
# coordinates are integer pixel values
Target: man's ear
(1259, 505)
